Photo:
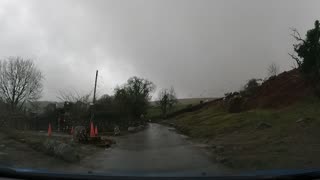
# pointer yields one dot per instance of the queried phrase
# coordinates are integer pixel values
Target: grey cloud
(201, 47)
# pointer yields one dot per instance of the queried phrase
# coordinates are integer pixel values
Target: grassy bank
(260, 138)
(39, 142)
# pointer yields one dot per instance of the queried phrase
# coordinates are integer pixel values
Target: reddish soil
(280, 91)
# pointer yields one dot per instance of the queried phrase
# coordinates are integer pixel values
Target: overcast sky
(200, 47)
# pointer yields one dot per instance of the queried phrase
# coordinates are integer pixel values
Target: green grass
(217, 119)
(287, 144)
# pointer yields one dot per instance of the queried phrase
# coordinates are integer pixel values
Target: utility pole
(94, 97)
(95, 88)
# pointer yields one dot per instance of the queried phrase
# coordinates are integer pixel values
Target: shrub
(250, 88)
(307, 54)
(235, 104)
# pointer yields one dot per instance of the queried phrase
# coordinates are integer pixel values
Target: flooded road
(156, 149)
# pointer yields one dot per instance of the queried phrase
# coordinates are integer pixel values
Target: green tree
(133, 98)
(307, 52)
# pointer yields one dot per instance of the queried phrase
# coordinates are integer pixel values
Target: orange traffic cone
(91, 130)
(71, 132)
(96, 131)
(49, 130)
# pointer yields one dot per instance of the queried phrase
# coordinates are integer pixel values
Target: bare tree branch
(73, 96)
(298, 61)
(166, 100)
(273, 69)
(20, 81)
(295, 34)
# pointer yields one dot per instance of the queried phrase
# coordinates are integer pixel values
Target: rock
(106, 143)
(61, 150)
(300, 120)
(213, 146)
(237, 148)
(66, 152)
(217, 148)
(94, 140)
(3, 153)
(80, 134)
(202, 145)
(72, 143)
(131, 129)
(304, 120)
(140, 127)
(263, 125)
(49, 145)
(134, 129)
(116, 131)
(2, 146)
(221, 159)
(171, 124)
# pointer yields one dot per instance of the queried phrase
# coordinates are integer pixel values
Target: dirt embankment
(281, 91)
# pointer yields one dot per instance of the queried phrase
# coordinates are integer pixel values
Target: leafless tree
(20, 81)
(273, 69)
(73, 96)
(296, 35)
(166, 100)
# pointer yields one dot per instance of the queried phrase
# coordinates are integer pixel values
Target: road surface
(157, 149)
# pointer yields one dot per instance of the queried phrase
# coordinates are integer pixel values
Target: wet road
(156, 149)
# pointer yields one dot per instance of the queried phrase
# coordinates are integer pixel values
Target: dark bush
(235, 104)
(250, 88)
(307, 54)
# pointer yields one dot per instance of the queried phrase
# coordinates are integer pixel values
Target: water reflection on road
(155, 149)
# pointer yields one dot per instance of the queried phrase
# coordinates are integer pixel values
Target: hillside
(186, 101)
(281, 130)
(154, 111)
(281, 91)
